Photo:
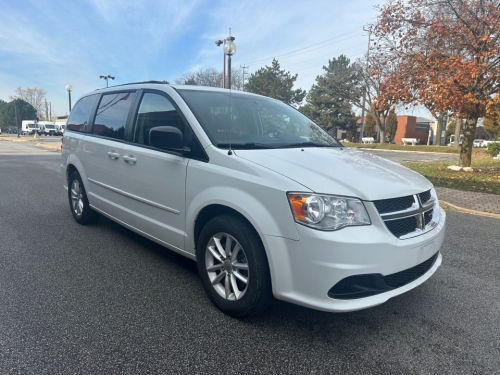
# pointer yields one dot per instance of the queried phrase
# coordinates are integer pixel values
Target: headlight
(327, 212)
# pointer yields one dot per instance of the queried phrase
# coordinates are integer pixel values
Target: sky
(53, 43)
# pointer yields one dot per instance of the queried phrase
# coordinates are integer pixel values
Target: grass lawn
(485, 180)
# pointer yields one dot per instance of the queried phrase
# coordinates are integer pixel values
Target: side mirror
(166, 138)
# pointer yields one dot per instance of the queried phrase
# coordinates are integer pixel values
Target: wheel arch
(212, 210)
(73, 164)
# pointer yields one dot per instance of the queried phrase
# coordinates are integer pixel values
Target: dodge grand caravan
(266, 201)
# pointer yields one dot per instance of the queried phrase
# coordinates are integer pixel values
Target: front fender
(263, 217)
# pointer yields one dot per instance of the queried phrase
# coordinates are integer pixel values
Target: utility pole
(46, 110)
(15, 110)
(361, 130)
(243, 68)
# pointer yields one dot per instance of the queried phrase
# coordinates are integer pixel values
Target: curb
(49, 147)
(19, 139)
(451, 207)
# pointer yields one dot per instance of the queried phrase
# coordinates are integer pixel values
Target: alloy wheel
(227, 266)
(77, 197)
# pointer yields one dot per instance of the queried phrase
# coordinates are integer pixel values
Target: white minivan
(265, 200)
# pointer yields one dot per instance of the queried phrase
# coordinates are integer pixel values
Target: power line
(308, 50)
(330, 54)
(312, 74)
(312, 45)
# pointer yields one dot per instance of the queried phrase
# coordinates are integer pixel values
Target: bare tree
(34, 96)
(211, 77)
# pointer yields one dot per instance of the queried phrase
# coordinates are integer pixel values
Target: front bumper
(304, 271)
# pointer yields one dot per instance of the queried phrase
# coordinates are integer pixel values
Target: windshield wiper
(306, 144)
(248, 145)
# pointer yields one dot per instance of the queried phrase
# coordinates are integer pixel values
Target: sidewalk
(470, 201)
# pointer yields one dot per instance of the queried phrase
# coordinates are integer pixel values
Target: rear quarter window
(111, 117)
(79, 117)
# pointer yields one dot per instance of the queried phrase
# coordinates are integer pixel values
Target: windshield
(250, 121)
(31, 126)
(50, 126)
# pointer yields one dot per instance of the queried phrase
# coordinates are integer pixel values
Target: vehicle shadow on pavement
(152, 247)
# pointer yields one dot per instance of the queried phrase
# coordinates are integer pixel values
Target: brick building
(408, 127)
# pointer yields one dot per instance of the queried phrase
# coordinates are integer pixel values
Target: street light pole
(362, 128)
(106, 78)
(218, 43)
(69, 88)
(229, 50)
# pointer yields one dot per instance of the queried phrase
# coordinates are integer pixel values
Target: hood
(340, 171)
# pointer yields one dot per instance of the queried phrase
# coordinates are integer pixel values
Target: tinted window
(80, 114)
(155, 110)
(111, 115)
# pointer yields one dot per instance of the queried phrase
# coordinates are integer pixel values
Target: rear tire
(233, 267)
(78, 202)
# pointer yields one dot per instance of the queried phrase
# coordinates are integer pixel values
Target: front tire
(233, 267)
(78, 202)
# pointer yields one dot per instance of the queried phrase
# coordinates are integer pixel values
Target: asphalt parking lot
(103, 300)
(413, 157)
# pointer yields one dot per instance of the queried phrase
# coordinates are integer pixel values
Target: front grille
(399, 279)
(425, 196)
(405, 215)
(428, 217)
(400, 227)
(395, 204)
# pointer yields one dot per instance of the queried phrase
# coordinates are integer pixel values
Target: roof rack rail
(134, 83)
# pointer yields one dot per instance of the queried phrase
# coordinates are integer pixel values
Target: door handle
(113, 155)
(129, 159)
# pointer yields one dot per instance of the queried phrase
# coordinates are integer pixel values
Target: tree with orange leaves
(448, 57)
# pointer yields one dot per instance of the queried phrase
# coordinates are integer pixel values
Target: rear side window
(80, 114)
(111, 116)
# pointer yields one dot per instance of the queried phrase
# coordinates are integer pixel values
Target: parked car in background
(41, 129)
(60, 129)
(477, 143)
(452, 140)
(12, 129)
(486, 143)
(47, 128)
(266, 201)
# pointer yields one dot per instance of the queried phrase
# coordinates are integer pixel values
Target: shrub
(493, 149)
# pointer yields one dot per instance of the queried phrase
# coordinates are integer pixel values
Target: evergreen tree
(275, 83)
(25, 111)
(491, 124)
(327, 104)
(2, 106)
